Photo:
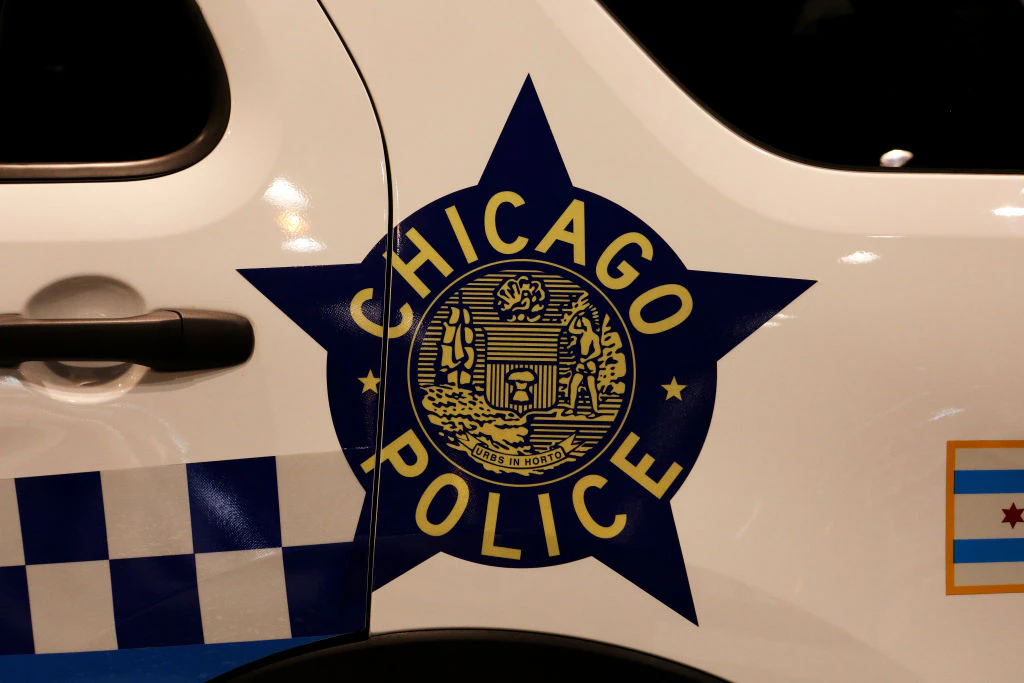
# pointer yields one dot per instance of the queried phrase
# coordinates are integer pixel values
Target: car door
(841, 349)
(173, 496)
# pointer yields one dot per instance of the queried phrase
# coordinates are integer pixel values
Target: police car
(504, 341)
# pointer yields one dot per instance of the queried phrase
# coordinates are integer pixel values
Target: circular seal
(521, 373)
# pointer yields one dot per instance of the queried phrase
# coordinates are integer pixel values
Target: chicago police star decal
(550, 372)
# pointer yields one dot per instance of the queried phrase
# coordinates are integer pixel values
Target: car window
(841, 82)
(106, 88)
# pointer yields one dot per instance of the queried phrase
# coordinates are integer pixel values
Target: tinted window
(840, 82)
(105, 82)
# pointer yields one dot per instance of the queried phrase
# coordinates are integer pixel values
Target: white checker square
(11, 552)
(72, 607)
(320, 499)
(147, 511)
(242, 595)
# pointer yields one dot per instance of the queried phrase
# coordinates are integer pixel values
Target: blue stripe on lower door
(179, 664)
(975, 550)
(988, 481)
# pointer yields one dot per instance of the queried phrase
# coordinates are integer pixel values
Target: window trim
(178, 160)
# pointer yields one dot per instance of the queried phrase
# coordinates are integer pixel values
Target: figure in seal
(588, 350)
(457, 353)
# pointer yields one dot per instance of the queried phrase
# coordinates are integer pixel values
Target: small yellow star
(673, 390)
(370, 382)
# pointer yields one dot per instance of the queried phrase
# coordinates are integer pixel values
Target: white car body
(814, 522)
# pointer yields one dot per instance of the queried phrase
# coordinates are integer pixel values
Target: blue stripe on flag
(976, 550)
(988, 481)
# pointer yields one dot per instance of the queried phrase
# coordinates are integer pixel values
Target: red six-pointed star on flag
(1012, 515)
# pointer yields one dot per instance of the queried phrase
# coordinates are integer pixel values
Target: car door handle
(165, 340)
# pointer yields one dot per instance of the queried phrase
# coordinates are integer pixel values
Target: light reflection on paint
(285, 195)
(293, 218)
(777, 319)
(754, 514)
(303, 245)
(80, 388)
(222, 504)
(292, 223)
(1009, 211)
(859, 257)
(945, 412)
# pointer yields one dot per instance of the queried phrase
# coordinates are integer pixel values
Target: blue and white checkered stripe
(213, 552)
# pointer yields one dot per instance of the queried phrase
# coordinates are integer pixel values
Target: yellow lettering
(638, 472)
(490, 528)
(589, 523)
(364, 323)
(454, 515)
(627, 273)
(393, 453)
(573, 215)
(426, 253)
(644, 326)
(460, 234)
(547, 519)
(491, 226)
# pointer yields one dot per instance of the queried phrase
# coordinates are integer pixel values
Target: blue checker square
(234, 505)
(15, 615)
(62, 518)
(156, 601)
(326, 586)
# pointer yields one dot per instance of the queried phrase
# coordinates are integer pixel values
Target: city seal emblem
(521, 372)
(548, 377)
